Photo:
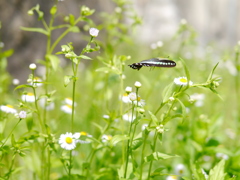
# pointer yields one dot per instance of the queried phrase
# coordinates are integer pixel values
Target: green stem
(153, 150)
(10, 134)
(128, 143)
(11, 166)
(70, 165)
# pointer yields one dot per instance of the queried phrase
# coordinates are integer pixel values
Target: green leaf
(54, 61)
(29, 122)
(67, 80)
(13, 140)
(23, 86)
(40, 30)
(217, 173)
(104, 69)
(118, 138)
(158, 156)
(71, 19)
(136, 143)
(7, 53)
(154, 118)
(74, 29)
(85, 57)
(186, 70)
(184, 112)
(167, 92)
(211, 73)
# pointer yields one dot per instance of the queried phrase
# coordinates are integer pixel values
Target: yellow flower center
(174, 177)
(83, 133)
(36, 79)
(30, 94)
(68, 140)
(109, 137)
(183, 80)
(10, 106)
(69, 106)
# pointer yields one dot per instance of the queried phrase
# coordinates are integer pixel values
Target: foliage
(86, 122)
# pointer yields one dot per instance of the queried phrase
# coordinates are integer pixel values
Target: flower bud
(137, 84)
(32, 66)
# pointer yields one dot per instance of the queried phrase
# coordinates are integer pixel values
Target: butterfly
(154, 62)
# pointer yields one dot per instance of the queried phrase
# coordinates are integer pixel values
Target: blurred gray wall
(214, 20)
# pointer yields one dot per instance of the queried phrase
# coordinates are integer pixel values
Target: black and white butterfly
(154, 62)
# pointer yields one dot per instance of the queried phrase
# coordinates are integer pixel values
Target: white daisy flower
(198, 99)
(106, 138)
(66, 108)
(93, 32)
(29, 97)
(36, 81)
(125, 98)
(68, 141)
(172, 177)
(69, 101)
(179, 169)
(182, 81)
(128, 117)
(8, 109)
(81, 141)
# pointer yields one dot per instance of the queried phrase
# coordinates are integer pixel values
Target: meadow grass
(103, 120)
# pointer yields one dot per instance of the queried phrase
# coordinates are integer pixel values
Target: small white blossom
(93, 32)
(222, 156)
(22, 114)
(132, 96)
(171, 98)
(106, 138)
(15, 82)
(32, 66)
(159, 43)
(105, 116)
